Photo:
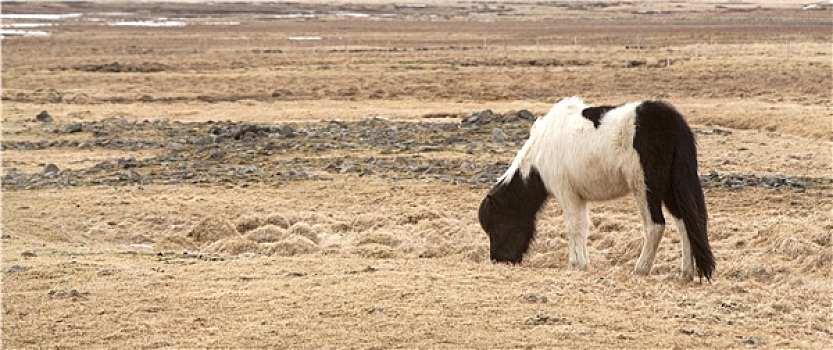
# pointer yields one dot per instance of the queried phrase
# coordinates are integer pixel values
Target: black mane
(595, 114)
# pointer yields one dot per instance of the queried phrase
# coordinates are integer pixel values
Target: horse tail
(687, 196)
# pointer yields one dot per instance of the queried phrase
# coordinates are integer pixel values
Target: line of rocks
(373, 132)
(483, 173)
(475, 151)
(774, 182)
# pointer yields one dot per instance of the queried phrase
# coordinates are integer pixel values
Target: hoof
(687, 275)
(642, 271)
(575, 266)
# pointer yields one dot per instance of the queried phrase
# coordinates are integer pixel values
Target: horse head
(507, 214)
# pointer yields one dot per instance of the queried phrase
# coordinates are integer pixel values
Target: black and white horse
(579, 154)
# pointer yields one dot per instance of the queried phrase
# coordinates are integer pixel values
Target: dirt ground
(347, 217)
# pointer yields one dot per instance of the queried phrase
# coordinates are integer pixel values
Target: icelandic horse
(579, 154)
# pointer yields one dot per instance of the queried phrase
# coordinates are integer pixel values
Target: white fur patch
(539, 131)
(593, 163)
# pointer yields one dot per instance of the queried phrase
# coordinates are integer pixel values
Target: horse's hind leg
(688, 260)
(576, 216)
(650, 207)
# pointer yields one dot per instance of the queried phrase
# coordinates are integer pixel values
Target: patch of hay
(794, 247)
(821, 263)
(309, 217)
(824, 239)
(248, 223)
(547, 245)
(377, 251)
(291, 246)
(438, 251)
(478, 254)
(278, 220)
(625, 252)
(212, 229)
(340, 227)
(549, 260)
(752, 268)
(612, 226)
(233, 246)
(367, 222)
(174, 243)
(379, 238)
(267, 234)
(439, 228)
(140, 238)
(416, 216)
(305, 230)
(605, 242)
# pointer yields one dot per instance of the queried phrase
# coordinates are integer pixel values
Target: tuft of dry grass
(212, 229)
(290, 246)
(234, 245)
(267, 234)
(247, 223)
(277, 219)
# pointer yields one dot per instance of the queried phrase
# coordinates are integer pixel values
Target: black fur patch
(668, 156)
(595, 114)
(507, 214)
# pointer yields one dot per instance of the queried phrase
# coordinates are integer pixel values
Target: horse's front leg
(577, 219)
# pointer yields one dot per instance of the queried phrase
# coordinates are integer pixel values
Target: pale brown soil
(366, 262)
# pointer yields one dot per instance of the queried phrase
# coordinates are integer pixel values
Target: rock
(251, 169)
(488, 117)
(525, 115)
(217, 154)
(44, 117)
(429, 148)
(348, 168)
(17, 268)
(73, 294)
(544, 319)
(51, 169)
(128, 163)
(534, 298)
(479, 118)
(74, 127)
(750, 341)
(721, 132)
(498, 135)
(249, 136)
(287, 131)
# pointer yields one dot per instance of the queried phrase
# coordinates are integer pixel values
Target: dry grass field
(297, 175)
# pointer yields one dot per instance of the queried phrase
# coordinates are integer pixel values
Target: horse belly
(598, 186)
(601, 174)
